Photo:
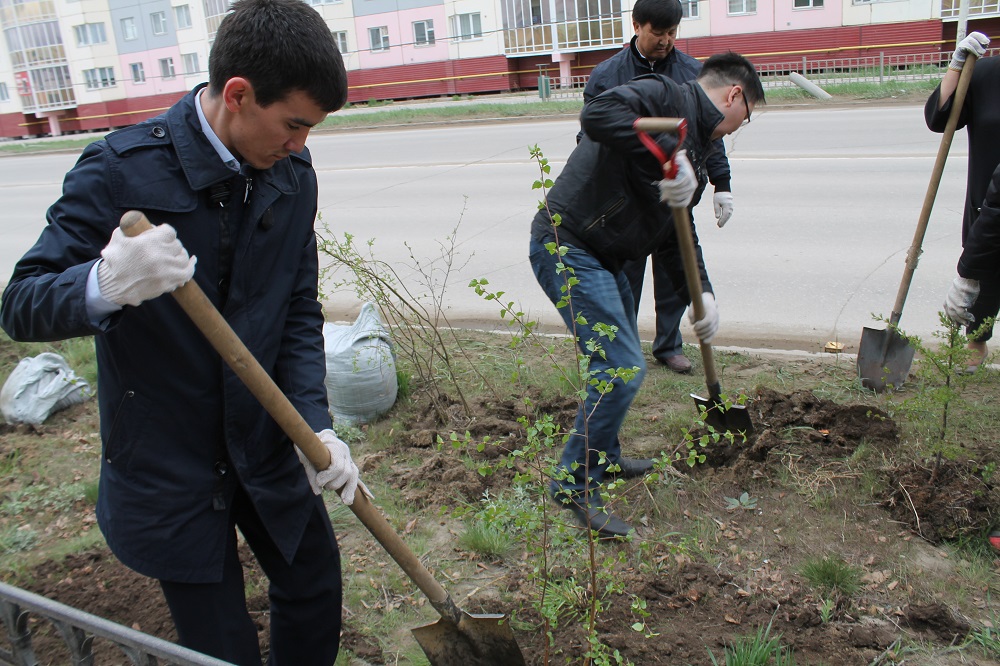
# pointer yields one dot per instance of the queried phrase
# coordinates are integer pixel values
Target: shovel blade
(884, 359)
(734, 419)
(477, 640)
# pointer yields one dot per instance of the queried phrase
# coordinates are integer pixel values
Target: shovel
(885, 357)
(457, 638)
(733, 418)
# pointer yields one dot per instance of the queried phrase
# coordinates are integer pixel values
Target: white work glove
(706, 327)
(143, 267)
(679, 190)
(342, 474)
(961, 296)
(723, 207)
(976, 43)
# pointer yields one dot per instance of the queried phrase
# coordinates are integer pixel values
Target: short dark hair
(279, 46)
(659, 14)
(732, 69)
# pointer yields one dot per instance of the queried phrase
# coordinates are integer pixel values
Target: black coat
(980, 258)
(981, 117)
(173, 416)
(626, 65)
(607, 194)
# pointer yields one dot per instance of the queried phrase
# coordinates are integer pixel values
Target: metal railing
(875, 68)
(78, 631)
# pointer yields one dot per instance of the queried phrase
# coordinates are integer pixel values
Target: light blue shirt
(99, 308)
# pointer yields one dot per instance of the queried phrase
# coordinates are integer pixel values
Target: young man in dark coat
(188, 453)
(981, 118)
(652, 51)
(613, 203)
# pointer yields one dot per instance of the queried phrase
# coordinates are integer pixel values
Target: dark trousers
(987, 305)
(305, 597)
(669, 305)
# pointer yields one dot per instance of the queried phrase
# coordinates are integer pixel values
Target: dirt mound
(942, 500)
(808, 426)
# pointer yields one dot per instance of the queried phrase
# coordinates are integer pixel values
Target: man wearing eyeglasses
(613, 205)
(652, 50)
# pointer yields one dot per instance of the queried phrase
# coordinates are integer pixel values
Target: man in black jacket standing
(613, 205)
(652, 52)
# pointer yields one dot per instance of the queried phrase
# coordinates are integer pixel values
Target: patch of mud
(941, 501)
(808, 426)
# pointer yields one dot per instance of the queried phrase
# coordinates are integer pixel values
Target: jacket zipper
(614, 208)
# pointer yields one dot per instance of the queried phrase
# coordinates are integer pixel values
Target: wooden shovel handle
(685, 240)
(225, 341)
(913, 255)
(659, 124)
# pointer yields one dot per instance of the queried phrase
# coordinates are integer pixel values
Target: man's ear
(237, 93)
(734, 92)
(635, 26)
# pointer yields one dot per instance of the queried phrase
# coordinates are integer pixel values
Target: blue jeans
(670, 305)
(602, 298)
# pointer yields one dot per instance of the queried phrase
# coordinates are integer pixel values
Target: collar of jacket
(708, 115)
(201, 164)
(643, 63)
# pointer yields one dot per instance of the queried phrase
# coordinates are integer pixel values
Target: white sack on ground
(360, 369)
(40, 386)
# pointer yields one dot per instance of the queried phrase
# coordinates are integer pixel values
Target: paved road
(826, 205)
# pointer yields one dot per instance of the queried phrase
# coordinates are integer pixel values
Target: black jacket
(626, 65)
(607, 195)
(981, 116)
(980, 259)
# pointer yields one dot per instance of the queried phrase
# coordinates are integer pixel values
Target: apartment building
(81, 65)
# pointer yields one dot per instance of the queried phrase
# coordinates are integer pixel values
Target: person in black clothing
(614, 204)
(981, 117)
(652, 52)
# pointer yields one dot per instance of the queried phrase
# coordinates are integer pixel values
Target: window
(4, 95)
(159, 22)
(467, 26)
(90, 33)
(379, 38)
(128, 29)
(689, 9)
(182, 16)
(742, 7)
(190, 63)
(100, 77)
(138, 73)
(423, 33)
(340, 37)
(167, 68)
(807, 4)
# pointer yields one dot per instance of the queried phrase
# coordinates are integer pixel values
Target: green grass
(760, 649)
(832, 574)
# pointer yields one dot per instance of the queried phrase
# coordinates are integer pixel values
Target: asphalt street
(827, 201)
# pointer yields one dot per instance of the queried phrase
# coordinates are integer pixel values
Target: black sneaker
(633, 468)
(594, 515)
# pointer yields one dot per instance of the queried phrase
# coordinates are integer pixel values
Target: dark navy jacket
(178, 427)
(680, 67)
(607, 194)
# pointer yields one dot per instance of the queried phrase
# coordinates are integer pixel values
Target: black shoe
(633, 468)
(593, 515)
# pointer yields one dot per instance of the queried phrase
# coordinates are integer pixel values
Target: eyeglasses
(746, 104)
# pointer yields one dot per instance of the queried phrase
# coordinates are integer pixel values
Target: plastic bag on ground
(40, 386)
(360, 369)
